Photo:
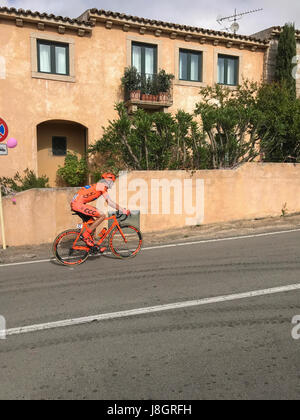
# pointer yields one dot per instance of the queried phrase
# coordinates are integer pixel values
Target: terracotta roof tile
(174, 26)
(29, 13)
(279, 28)
(83, 22)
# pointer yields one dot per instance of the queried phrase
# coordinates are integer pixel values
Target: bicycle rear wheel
(129, 247)
(63, 248)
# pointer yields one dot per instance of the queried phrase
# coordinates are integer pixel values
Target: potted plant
(155, 89)
(164, 84)
(149, 87)
(146, 88)
(143, 87)
(132, 82)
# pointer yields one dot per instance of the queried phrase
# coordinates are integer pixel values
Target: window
(228, 70)
(144, 58)
(59, 146)
(53, 57)
(190, 66)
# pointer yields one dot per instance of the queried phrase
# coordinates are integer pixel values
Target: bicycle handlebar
(121, 216)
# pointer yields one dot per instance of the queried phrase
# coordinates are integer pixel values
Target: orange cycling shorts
(85, 209)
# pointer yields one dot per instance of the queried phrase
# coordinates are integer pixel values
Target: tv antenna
(234, 27)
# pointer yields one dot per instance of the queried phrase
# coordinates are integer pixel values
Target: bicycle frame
(102, 239)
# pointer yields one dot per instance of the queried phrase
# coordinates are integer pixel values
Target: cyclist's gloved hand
(126, 212)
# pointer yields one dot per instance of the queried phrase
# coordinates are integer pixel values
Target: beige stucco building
(60, 77)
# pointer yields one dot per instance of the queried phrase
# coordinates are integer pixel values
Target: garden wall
(166, 199)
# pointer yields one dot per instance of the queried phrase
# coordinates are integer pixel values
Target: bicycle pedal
(94, 250)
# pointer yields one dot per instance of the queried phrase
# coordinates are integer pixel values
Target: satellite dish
(237, 16)
(235, 27)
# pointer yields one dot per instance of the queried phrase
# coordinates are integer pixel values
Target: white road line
(24, 263)
(222, 239)
(150, 248)
(149, 310)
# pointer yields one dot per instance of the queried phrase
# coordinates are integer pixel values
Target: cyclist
(88, 194)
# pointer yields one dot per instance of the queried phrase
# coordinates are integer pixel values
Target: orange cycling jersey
(90, 193)
(86, 195)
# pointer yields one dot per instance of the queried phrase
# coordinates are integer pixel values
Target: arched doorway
(54, 139)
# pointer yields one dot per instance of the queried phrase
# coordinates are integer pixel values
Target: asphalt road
(240, 349)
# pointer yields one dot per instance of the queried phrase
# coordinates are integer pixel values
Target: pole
(2, 221)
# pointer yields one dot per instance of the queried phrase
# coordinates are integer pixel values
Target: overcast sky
(201, 13)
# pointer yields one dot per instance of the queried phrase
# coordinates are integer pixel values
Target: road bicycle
(124, 241)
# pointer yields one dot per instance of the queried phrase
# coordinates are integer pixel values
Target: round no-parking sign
(3, 130)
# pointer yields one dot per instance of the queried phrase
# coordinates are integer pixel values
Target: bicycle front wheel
(126, 244)
(69, 249)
